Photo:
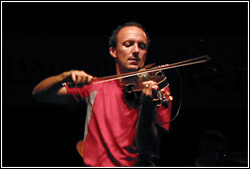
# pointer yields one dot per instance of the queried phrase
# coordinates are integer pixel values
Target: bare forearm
(48, 84)
(49, 88)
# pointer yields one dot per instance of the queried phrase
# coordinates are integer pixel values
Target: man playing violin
(116, 133)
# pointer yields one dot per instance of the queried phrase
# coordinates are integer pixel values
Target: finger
(89, 78)
(86, 78)
(82, 77)
(150, 88)
(79, 77)
(155, 87)
(76, 76)
(147, 89)
(73, 76)
(147, 84)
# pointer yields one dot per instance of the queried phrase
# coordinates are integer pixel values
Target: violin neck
(193, 61)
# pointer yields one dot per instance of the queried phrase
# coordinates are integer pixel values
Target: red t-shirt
(110, 125)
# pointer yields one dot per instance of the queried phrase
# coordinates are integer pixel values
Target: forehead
(131, 32)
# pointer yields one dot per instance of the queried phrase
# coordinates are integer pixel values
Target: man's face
(131, 50)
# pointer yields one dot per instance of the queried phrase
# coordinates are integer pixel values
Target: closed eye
(128, 43)
(142, 45)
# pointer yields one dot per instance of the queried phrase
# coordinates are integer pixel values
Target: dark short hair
(113, 37)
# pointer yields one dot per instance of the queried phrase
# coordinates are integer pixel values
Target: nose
(136, 50)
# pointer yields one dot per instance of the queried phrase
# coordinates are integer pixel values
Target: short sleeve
(78, 92)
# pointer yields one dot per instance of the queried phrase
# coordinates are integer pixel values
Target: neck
(119, 70)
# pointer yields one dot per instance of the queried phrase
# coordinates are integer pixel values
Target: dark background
(45, 39)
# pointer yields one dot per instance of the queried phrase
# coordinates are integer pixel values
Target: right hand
(77, 76)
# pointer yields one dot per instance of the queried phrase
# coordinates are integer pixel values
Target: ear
(112, 52)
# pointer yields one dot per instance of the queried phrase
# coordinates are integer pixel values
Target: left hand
(150, 89)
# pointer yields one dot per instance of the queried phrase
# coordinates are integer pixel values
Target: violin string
(174, 66)
(163, 67)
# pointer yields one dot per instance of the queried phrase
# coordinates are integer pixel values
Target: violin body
(135, 83)
(133, 86)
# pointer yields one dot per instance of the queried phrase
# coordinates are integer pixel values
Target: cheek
(126, 51)
(123, 54)
(144, 56)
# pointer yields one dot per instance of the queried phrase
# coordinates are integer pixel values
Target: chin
(133, 68)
